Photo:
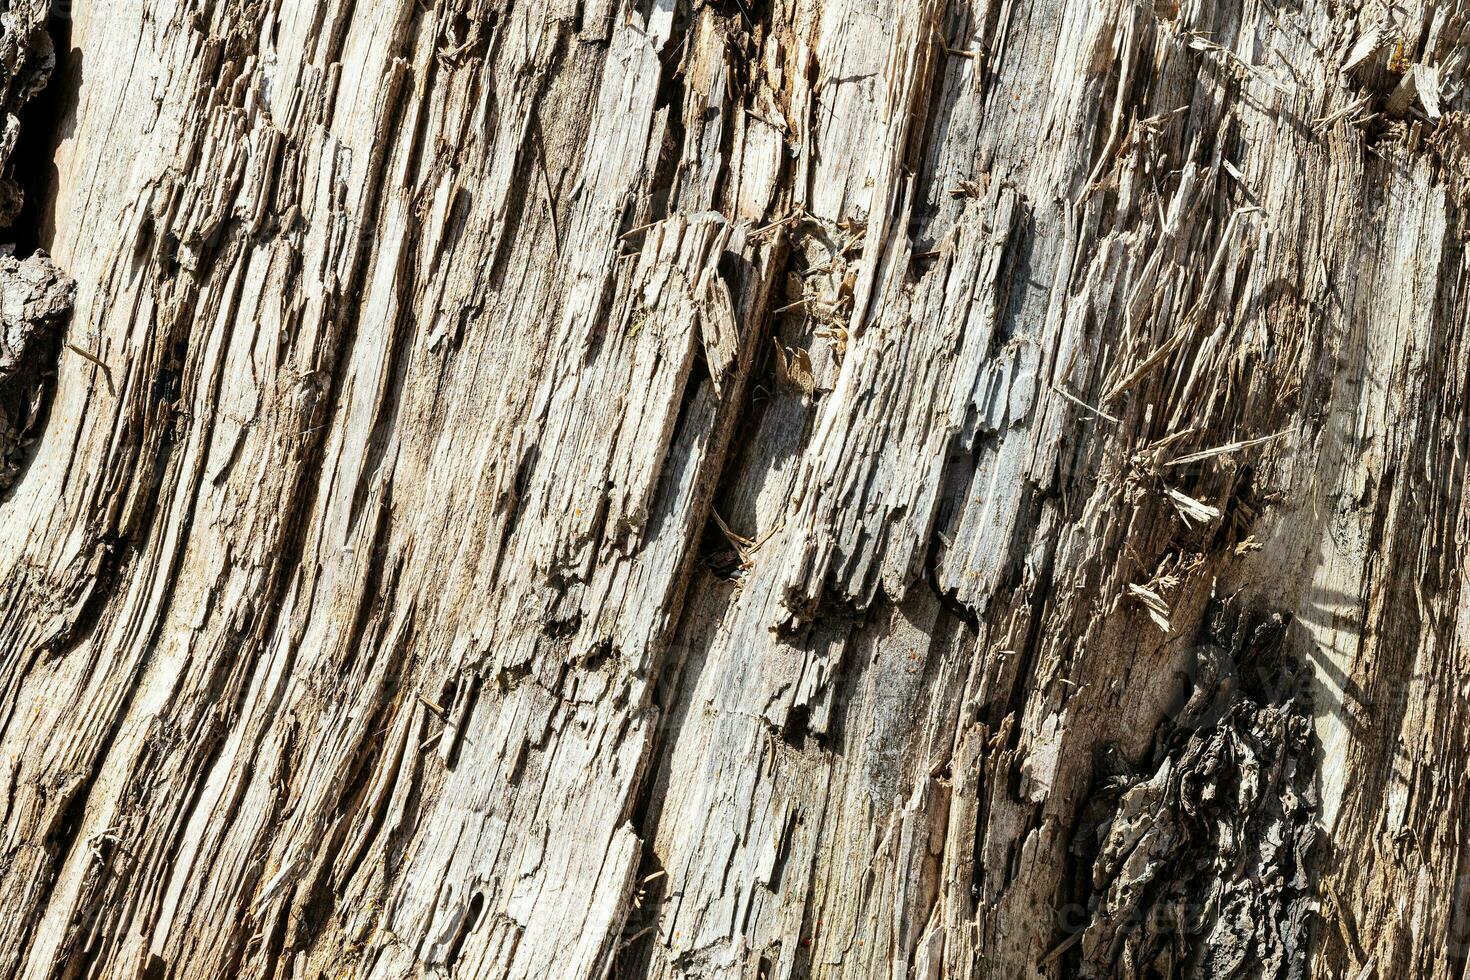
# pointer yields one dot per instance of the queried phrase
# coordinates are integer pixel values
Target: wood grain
(755, 488)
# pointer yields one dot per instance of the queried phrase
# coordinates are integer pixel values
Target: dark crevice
(42, 125)
(663, 181)
(468, 920)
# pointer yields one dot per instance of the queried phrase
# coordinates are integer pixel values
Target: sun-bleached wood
(736, 489)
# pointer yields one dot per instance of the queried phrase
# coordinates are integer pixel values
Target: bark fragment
(1201, 865)
(34, 294)
(34, 298)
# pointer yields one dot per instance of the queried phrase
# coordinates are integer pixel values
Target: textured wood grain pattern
(740, 489)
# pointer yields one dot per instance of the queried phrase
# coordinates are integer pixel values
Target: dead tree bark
(734, 489)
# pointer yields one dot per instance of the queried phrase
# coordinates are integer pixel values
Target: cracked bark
(34, 294)
(760, 488)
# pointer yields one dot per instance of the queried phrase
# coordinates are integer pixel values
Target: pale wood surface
(537, 488)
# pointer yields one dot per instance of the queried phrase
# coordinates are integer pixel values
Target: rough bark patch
(1201, 863)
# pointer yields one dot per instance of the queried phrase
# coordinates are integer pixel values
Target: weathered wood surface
(759, 488)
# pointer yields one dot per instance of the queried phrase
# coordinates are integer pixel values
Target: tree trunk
(734, 489)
